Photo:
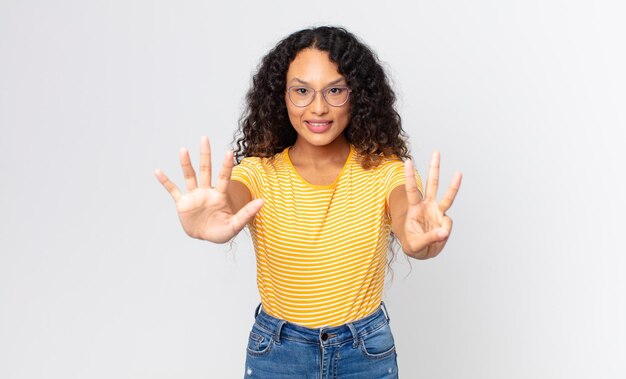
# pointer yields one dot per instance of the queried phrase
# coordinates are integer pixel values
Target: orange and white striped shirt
(321, 251)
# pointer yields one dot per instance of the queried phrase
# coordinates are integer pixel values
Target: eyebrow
(336, 81)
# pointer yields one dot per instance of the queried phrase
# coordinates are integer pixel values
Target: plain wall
(526, 98)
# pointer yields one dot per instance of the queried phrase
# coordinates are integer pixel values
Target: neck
(304, 153)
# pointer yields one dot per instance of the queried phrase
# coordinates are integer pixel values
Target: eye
(335, 91)
(301, 91)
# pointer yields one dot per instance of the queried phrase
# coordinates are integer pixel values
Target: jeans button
(324, 336)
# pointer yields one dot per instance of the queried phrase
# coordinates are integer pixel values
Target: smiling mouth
(318, 123)
(318, 126)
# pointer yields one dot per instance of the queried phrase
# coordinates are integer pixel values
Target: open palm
(204, 211)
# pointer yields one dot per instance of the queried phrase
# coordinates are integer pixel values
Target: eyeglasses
(335, 96)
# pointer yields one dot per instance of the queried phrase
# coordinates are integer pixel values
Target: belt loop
(257, 310)
(355, 335)
(279, 328)
(384, 308)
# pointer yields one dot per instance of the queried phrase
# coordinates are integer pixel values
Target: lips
(318, 126)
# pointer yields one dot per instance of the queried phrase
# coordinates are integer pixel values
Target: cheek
(344, 114)
(294, 113)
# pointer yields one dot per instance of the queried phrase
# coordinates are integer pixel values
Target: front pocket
(259, 344)
(378, 344)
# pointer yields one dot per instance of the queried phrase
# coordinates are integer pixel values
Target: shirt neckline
(327, 186)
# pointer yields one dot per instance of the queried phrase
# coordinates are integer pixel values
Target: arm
(217, 213)
(420, 222)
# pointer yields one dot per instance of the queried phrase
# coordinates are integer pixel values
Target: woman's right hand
(204, 211)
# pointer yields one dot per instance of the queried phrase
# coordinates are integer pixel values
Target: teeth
(318, 123)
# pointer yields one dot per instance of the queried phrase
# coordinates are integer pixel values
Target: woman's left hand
(426, 225)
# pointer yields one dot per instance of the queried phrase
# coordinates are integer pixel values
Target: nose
(318, 106)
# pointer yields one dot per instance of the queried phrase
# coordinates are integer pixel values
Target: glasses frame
(322, 91)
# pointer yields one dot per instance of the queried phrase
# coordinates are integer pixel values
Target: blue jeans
(357, 350)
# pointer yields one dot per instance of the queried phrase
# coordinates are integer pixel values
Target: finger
(413, 194)
(205, 163)
(433, 177)
(188, 171)
(443, 234)
(167, 183)
(450, 195)
(245, 214)
(422, 241)
(225, 172)
(445, 229)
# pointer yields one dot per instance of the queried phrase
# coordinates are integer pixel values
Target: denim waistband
(326, 336)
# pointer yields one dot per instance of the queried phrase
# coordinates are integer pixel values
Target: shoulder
(261, 164)
(250, 162)
(384, 163)
(392, 161)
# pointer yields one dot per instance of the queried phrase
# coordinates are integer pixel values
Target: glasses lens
(336, 96)
(301, 96)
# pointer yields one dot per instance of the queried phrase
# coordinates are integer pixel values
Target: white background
(526, 98)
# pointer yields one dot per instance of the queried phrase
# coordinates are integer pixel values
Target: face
(317, 124)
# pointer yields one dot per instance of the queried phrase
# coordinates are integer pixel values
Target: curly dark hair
(375, 127)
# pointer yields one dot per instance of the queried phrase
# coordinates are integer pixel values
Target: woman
(321, 184)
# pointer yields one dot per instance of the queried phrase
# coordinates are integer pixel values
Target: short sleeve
(394, 177)
(248, 172)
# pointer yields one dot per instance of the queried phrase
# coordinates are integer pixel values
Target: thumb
(245, 214)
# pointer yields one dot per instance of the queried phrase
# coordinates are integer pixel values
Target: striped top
(321, 251)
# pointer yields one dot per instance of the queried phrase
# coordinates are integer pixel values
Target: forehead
(313, 66)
